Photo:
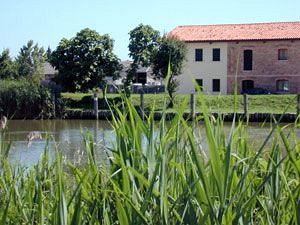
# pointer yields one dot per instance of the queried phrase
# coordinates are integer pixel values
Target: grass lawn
(216, 103)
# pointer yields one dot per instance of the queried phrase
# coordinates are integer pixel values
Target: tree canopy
(143, 42)
(85, 60)
(7, 65)
(170, 55)
(30, 61)
(48, 53)
(148, 48)
(170, 50)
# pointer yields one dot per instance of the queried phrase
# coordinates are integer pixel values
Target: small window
(282, 54)
(282, 85)
(216, 54)
(247, 85)
(248, 60)
(140, 78)
(198, 54)
(199, 82)
(216, 85)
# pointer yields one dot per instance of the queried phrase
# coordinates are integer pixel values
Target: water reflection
(66, 135)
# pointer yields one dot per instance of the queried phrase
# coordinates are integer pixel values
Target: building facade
(274, 66)
(206, 65)
(143, 80)
(261, 55)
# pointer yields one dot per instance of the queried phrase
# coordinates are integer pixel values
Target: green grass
(162, 174)
(222, 103)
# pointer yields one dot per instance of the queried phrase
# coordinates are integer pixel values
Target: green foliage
(30, 62)
(24, 99)
(170, 50)
(84, 61)
(147, 47)
(7, 66)
(143, 42)
(48, 54)
(169, 59)
(162, 174)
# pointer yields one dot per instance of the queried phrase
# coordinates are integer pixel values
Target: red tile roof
(238, 32)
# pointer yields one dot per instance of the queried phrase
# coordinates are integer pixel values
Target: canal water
(66, 136)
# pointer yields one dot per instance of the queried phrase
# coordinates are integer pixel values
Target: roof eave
(235, 40)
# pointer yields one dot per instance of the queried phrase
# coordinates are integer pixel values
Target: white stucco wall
(206, 69)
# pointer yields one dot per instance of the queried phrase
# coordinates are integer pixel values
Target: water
(67, 136)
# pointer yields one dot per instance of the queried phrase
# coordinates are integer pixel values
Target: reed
(162, 173)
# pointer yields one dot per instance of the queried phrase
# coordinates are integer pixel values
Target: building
(143, 76)
(49, 71)
(259, 55)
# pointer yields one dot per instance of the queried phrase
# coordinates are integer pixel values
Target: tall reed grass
(161, 173)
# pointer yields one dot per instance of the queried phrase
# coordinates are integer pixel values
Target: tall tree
(170, 55)
(143, 42)
(30, 61)
(85, 60)
(48, 53)
(7, 65)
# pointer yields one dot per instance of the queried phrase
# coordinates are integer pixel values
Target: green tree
(48, 53)
(85, 60)
(7, 65)
(171, 51)
(143, 42)
(30, 61)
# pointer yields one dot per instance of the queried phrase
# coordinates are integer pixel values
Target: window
(198, 54)
(199, 83)
(282, 54)
(248, 60)
(140, 78)
(282, 85)
(216, 54)
(216, 85)
(247, 84)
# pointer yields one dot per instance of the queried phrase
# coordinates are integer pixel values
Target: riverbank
(273, 104)
(252, 117)
(260, 107)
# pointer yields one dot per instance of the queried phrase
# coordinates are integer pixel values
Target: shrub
(21, 99)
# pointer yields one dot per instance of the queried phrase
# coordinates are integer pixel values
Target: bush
(21, 99)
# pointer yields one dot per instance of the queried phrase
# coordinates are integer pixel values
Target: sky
(47, 22)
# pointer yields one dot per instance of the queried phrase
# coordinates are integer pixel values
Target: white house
(206, 65)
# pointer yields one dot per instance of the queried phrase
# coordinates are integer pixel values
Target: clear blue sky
(47, 22)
